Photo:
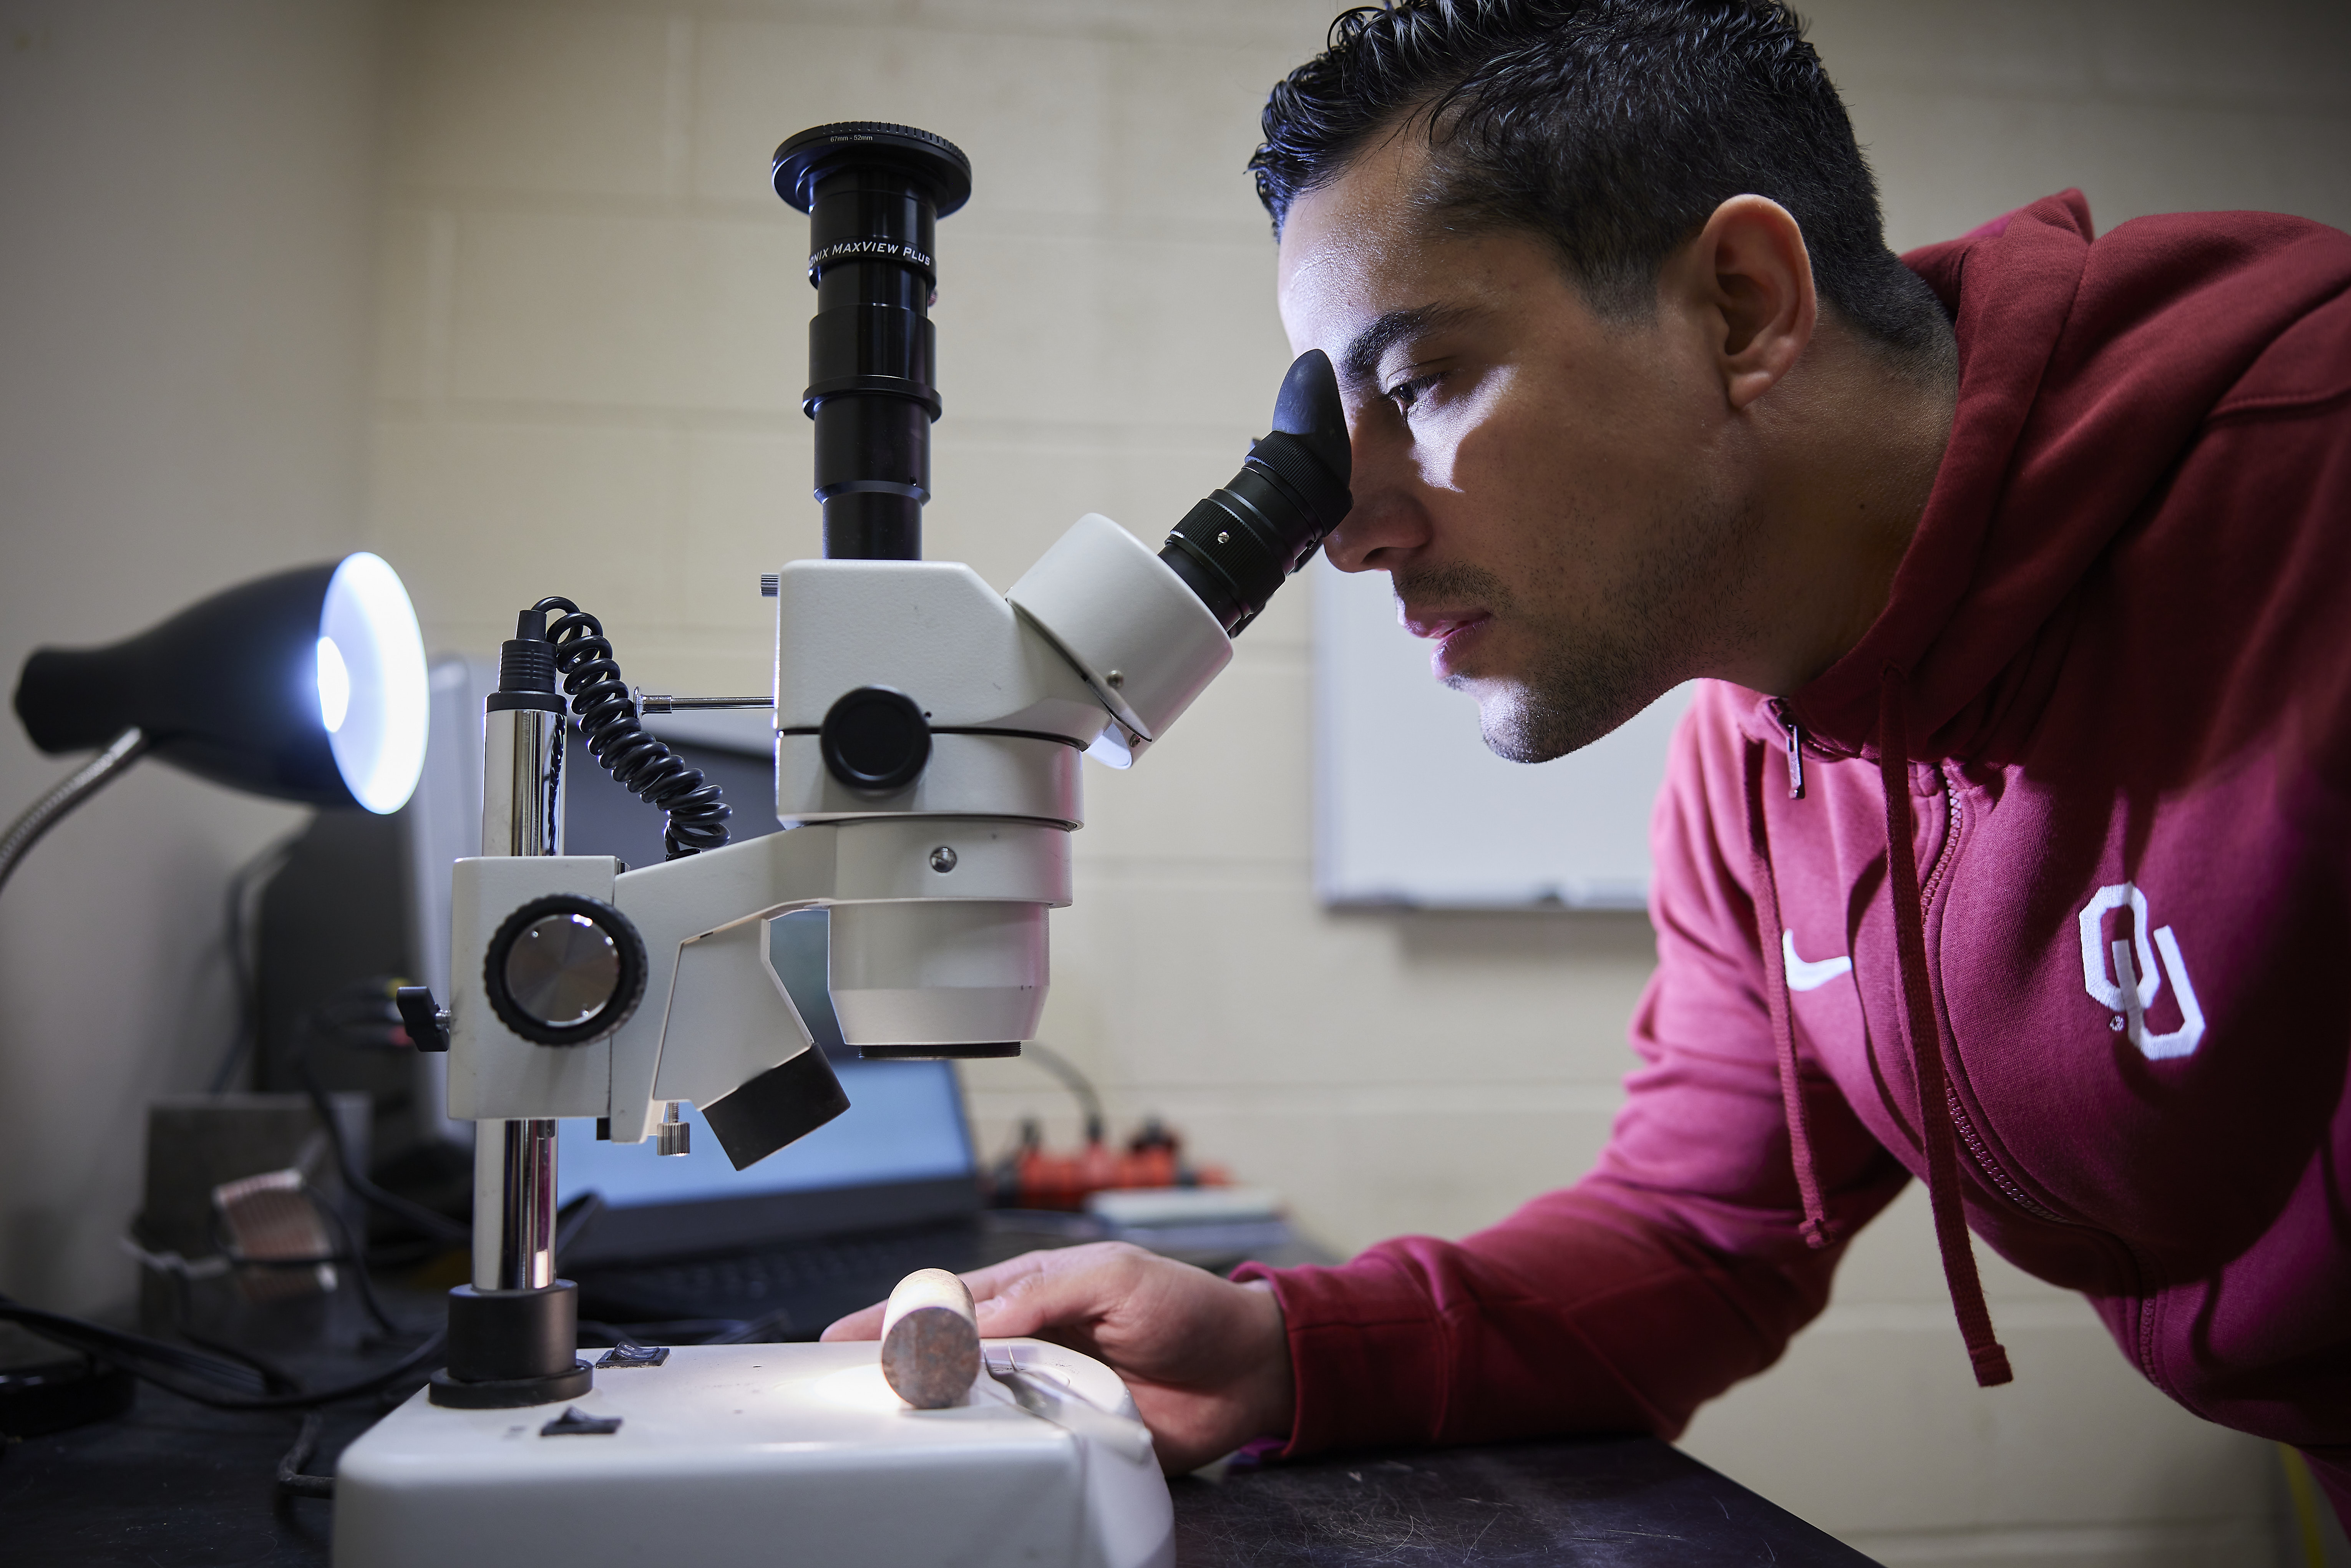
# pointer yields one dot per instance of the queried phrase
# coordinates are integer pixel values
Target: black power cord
(175, 1368)
(349, 1249)
(437, 1225)
(1076, 1083)
(608, 719)
(275, 1379)
(291, 1478)
(244, 1384)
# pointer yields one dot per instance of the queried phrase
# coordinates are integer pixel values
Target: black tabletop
(1621, 1502)
(173, 1484)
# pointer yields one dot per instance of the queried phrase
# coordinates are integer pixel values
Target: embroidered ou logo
(2134, 982)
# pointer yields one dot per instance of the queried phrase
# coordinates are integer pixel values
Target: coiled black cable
(608, 721)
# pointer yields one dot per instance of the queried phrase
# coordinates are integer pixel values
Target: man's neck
(1850, 460)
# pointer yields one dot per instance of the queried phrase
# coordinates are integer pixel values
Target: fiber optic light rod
(927, 736)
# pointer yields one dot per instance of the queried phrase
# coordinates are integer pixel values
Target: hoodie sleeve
(1672, 1270)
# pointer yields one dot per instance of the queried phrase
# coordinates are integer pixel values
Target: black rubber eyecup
(875, 739)
(628, 989)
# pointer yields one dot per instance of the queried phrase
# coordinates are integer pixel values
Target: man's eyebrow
(1360, 361)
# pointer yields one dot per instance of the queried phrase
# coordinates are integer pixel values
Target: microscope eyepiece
(872, 193)
(1235, 548)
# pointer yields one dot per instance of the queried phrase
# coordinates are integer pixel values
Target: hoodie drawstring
(1775, 991)
(1935, 1128)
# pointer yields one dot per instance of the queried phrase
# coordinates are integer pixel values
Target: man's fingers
(986, 1285)
(1207, 1361)
(1070, 1285)
(997, 1278)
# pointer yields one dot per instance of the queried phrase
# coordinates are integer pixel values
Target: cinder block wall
(591, 350)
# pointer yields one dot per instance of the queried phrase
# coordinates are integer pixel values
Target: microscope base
(764, 1454)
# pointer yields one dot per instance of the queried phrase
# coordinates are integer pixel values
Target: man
(2030, 558)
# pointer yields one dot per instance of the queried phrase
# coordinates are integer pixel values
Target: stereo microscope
(927, 738)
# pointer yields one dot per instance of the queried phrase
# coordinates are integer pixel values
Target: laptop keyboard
(811, 1282)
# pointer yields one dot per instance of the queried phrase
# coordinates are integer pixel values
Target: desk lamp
(306, 686)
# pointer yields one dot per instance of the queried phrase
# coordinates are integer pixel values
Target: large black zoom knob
(875, 739)
(565, 969)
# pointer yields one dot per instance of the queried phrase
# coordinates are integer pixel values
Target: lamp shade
(307, 685)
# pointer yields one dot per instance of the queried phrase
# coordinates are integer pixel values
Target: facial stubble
(1674, 606)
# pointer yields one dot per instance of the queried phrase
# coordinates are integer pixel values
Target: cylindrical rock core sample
(930, 1340)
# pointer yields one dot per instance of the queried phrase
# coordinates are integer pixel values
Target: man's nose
(1386, 518)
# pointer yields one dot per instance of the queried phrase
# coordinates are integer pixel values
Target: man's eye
(1404, 394)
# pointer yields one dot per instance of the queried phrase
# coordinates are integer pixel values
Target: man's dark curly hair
(1612, 129)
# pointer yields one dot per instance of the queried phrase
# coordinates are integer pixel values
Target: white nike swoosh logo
(1803, 977)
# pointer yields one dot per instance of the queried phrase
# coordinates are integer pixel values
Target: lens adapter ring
(823, 150)
(913, 392)
(628, 982)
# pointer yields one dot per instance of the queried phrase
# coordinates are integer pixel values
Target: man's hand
(1207, 1360)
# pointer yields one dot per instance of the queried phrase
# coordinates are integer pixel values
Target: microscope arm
(716, 1016)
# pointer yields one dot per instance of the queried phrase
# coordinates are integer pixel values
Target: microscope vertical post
(514, 1328)
(513, 1161)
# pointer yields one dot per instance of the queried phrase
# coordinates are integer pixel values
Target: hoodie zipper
(1787, 721)
(1984, 1158)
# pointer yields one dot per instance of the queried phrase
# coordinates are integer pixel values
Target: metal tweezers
(1065, 1409)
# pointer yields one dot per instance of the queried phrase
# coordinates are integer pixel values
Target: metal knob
(875, 739)
(424, 1019)
(565, 969)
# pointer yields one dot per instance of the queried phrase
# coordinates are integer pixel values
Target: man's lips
(1441, 624)
(1451, 630)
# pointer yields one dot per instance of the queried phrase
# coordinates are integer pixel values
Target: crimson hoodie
(2106, 717)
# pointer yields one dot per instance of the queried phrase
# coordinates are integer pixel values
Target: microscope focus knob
(875, 739)
(565, 969)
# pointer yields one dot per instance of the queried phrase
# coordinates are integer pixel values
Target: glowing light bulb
(379, 743)
(334, 686)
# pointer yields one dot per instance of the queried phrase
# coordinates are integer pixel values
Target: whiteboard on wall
(1410, 807)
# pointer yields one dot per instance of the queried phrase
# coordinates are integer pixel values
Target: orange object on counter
(1032, 1177)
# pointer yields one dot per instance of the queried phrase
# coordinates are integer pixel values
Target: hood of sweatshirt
(2086, 366)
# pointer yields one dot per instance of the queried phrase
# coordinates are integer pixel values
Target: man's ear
(1749, 277)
